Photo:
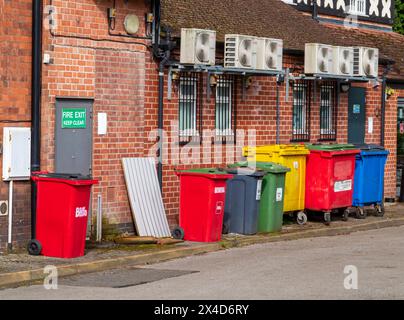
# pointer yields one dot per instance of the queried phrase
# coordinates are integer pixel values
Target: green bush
(399, 18)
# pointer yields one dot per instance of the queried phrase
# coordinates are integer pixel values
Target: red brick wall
(391, 142)
(258, 111)
(15, 100)
(110, 70)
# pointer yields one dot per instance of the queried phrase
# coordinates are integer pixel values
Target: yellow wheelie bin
(293, 157)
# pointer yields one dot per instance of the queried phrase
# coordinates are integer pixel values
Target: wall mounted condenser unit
(343, 61)
(270, 54)
(198, 47)
(241, 51)
(366, 62)
(318, 59)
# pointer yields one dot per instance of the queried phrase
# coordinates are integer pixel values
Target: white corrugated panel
(145, 197)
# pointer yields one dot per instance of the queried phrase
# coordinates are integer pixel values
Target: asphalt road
(301, 269)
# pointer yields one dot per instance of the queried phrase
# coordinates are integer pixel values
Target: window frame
(189, 97)
(228, 101)
(354, 6)
(330, 108)
(301, 106)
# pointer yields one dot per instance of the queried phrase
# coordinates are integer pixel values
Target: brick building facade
(95, 61)
(15, 102)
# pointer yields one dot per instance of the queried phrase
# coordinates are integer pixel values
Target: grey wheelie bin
(243, 201)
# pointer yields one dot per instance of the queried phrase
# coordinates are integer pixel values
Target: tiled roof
(273, 18)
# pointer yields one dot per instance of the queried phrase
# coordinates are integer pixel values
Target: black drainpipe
(315, 10)
(278, 113)
(383, 103)
(383, 111)
(162, 52)
(162, 65)
(36, 103)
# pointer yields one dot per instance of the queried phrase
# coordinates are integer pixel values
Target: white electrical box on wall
(16, 154)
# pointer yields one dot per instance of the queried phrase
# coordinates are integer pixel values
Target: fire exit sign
(74, 118)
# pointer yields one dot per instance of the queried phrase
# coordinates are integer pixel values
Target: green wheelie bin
(270, 217)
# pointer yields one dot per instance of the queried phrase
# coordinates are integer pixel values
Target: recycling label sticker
(341, 186)
(279, 194)
(259, 189)
(219, 190)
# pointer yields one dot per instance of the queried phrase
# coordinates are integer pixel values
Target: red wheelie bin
(330, 179)
(202, 202)
(61, 215)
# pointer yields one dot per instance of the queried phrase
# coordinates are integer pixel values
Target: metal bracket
(244, 89)
(208, 88)
(287, 78)
(338, 92)
(170, 83)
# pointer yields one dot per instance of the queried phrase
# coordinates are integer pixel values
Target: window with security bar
(328, 112)
(301, 111)
(225, 109)
(189, 105)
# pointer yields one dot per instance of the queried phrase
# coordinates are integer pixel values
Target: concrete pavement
(300, 269)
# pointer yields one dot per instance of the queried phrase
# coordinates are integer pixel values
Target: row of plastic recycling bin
(237, 200)
(333, 178)
(252, 197)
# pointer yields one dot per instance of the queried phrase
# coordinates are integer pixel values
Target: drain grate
(121, 278)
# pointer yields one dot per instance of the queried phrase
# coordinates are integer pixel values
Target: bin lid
(268, 167)
(331, 150)
(213, 173)
(331, 147)
(73, 179)
(372, 150)
(65, 176)
(282, 149)
(369, 147)
(245, 171)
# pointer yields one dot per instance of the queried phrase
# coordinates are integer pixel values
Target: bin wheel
(301, 218)
(178, 233)
(34, 247)
(225, 229)
(345, 215)
(380, 211)
(361, 213)
(327, 218)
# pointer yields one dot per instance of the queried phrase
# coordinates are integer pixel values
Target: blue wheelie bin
(369, 179)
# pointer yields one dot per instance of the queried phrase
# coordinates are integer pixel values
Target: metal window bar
(190, 107)
(225, 109)
(301, 111)
(328, 111)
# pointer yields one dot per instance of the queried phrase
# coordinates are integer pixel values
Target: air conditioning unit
(240, 51)
(198, 47)
(366, 62)
(270, 54)
(343, 61)
(318, 59)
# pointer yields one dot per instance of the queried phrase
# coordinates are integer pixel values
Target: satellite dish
(131, 24)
